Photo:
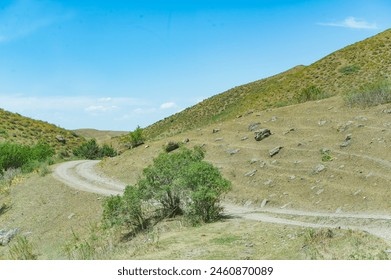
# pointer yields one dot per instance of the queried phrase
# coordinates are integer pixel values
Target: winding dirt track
(81, 175)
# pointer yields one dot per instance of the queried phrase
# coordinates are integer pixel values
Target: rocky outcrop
(275, 151)
(262, 134)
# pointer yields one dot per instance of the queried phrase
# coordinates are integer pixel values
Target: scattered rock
(325, 150)
(219, 139)
(268, 182)
(339, 210)
(275, 151)
(357, 192)
(288, 131)
(292, 177)
(250, 173)
(253, 160)
(262, 134)
(347, 141)
(319, 168)
(6, 236)
(264, 202)
(254, 126)
(146, 146)
(244, 138)
(319, 191)
(322, 122)
(71, 216)
(233, 151)
(263, 164)
(273, 119)
(248, 203)
(215, 130)
(171, 146)
(61, 139)
(186, 140)
(239, 116)
(387, 111)
(361, 118)
(345, 126)
(285, 205)
(388, 251)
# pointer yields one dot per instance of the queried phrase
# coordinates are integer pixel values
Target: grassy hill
(338, 73)
(22, 130)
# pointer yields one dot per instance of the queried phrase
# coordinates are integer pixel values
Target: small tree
(164, 181)
(136, 137)
(206, 185)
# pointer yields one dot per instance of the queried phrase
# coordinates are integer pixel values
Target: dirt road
(83, 176)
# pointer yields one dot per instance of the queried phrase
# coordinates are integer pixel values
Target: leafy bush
(88, 150)
(311, 93)
(107, 151)
(20, 156)
(91, 150)
(178, 183)
(164, 179)
(370, 95)
(136, 137)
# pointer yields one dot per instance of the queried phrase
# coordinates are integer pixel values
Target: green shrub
(88, 150)
(206, 185)
(91, 150)
(163, 180)
(370, 95)
(20, 156)
(136, 137)
(178, 183)
(311, 93)
(107, 151)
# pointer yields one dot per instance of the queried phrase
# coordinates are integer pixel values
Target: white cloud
(100, 108)
(352, 22)
(168, 105)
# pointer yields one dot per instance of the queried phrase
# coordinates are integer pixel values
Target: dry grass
(338, 73)
(22, 130)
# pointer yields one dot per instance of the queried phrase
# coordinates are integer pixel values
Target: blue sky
(118, 64)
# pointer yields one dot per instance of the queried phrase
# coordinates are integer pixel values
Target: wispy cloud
(351, 22)
(168, 105)
(24, 17)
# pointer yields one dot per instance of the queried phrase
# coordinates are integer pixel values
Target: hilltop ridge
(338, 73)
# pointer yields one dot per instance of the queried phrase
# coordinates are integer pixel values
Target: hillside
(101, 136)
(19, 129)
(338, 73)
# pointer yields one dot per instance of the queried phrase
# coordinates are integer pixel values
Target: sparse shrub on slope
(311, 93)
(370, 94)
(136, 137)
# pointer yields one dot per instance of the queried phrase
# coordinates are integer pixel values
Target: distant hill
(19, 129)
(338, 73)
(101, 136)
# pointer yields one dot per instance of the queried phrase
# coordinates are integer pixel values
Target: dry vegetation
(22, 130)
(338, 73)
